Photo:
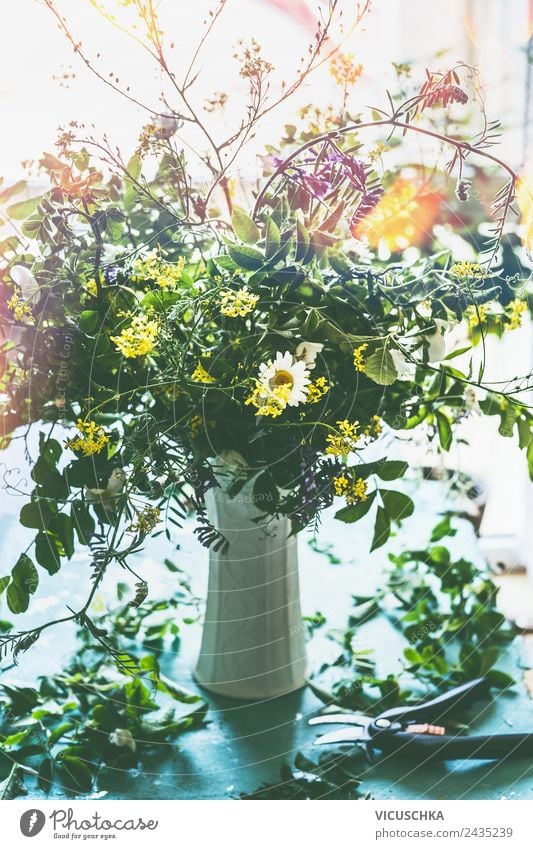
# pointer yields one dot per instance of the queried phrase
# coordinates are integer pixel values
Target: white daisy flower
(308, 352)
(284, 371)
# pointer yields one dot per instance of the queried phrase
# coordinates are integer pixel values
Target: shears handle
(427, 746)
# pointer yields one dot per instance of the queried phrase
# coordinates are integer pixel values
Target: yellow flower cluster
(317, 390)
(468, 270)
(269, 401)
(239, 303)
(21, 310)
(476, 315)
(200, 375)
(344, 441)
(516, 310)
(358, 357)
(374, 427)
(152, 266)
(92, 440)
(353, 491)
(344, 70)
(139, 338)
(91, 287)
(146, 520)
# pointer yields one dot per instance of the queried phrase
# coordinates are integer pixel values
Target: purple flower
(110, 274)
(367, 203)
(329, 169)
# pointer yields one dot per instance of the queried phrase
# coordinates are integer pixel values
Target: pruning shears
(416, 732)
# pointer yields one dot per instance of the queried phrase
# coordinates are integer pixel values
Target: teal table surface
(242, 745)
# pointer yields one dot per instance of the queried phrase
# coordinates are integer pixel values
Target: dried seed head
(462, 190)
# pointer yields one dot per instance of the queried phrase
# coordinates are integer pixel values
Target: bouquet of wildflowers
(152, 341)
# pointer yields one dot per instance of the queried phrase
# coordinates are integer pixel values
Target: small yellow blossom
(146, 520)
(21, 310)
(200, 375)
(344, 70)
(92, 440)
(476, 315)
(340, 484)
(139, 338)
(358, 357)
(353, 491)
(239, 303)
(269, 401)
(374, 427)
(344, 441)
(91, 287)
(468, 270)
(516, 310)
(317, 390)
(153, 267)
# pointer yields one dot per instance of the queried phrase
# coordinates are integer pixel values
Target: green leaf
(244, 227)
(59, 731)
(382, 529)
(21, 211)
(339, 262)
(4, 583)
(247, 258)
(24, 575)
(45, 774)
(443, 529)
(36, 514)
(380, 368)
(498, 679)
(17, 599)
(272, 238)
(88, 321)
(458, 353)
(62, 526)
(265, 492)
(354, 512)
(508, 418)
(397, 504)
(134, 167)
(389, 470)
(77, 772)
(226, 263)
(445, 430)
(83, 521)
(46, 553)
(529, 457)
(524, 433)
(302, 243)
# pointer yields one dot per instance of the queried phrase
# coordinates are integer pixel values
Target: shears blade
(343, 735)
(340, 719)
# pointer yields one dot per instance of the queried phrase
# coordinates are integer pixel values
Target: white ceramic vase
(253, 643)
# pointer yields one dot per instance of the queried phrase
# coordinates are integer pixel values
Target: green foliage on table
(329, 777)
(446, 610)
(96, 713)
